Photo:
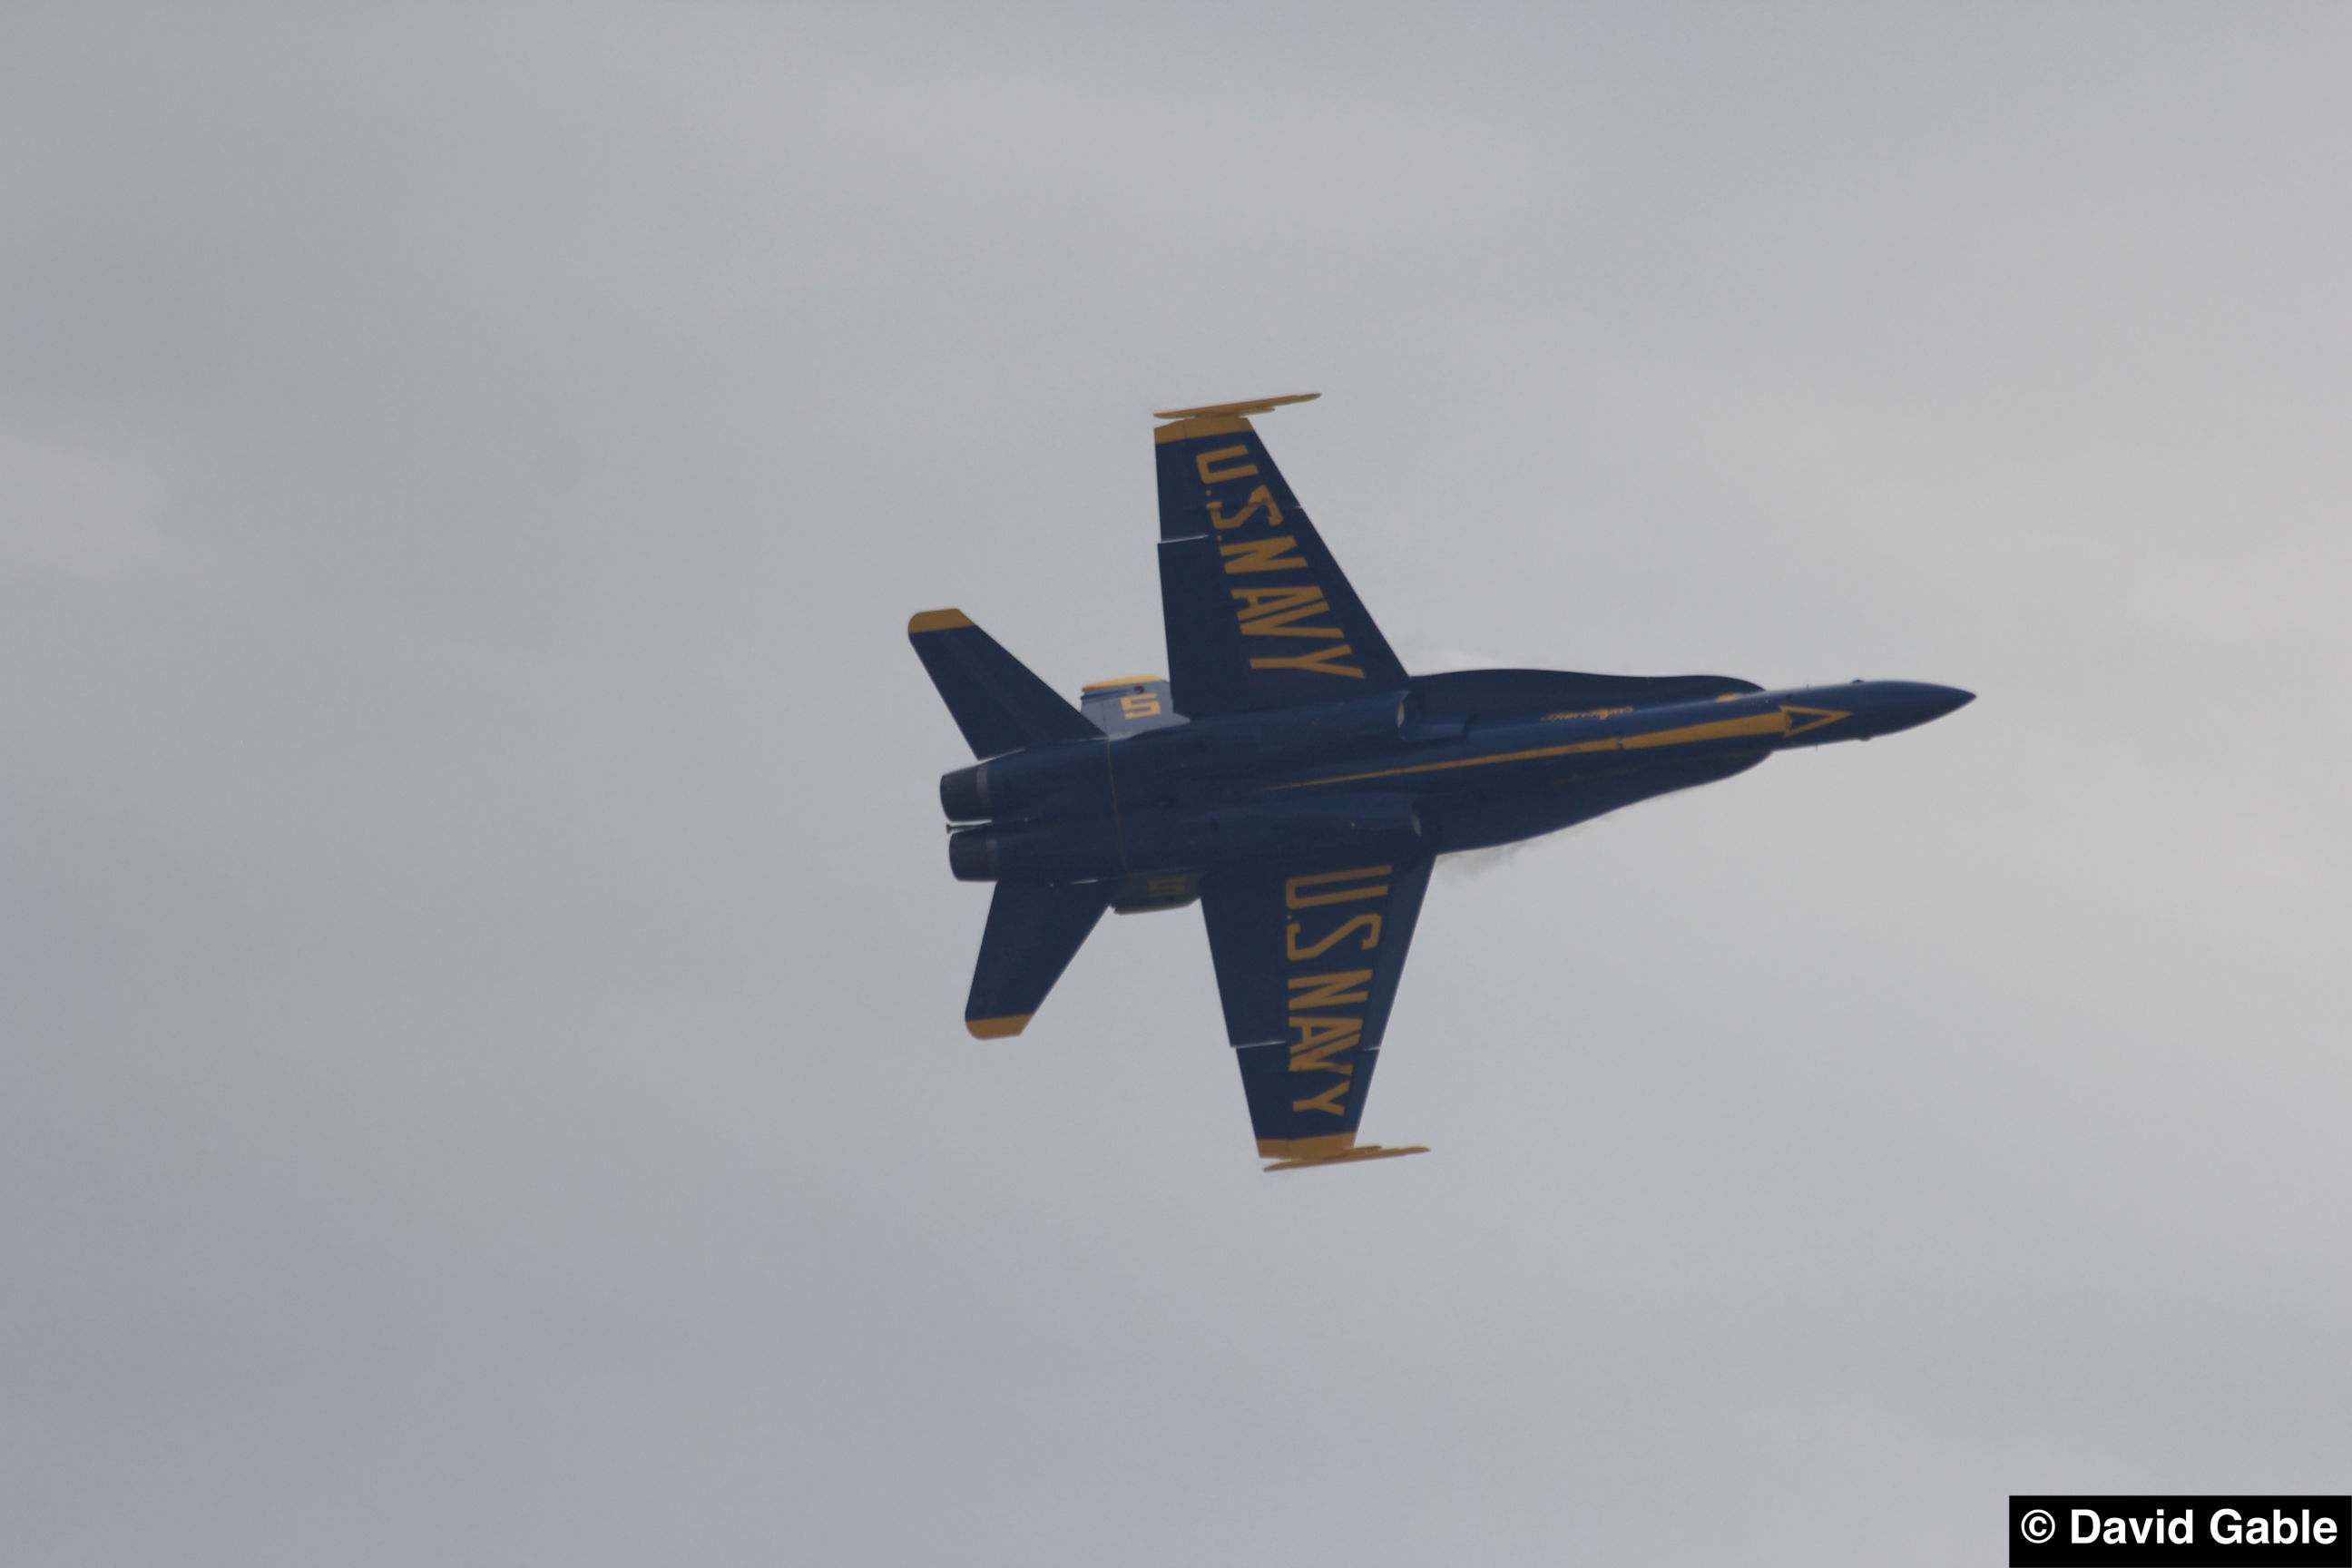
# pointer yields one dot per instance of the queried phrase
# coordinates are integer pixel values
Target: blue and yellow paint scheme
(1292, 779)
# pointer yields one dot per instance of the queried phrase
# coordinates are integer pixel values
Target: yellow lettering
(1256, 602)
(1143, 705)
(1294, 898)
(1314, 1029)
(1320, 661)
(1327, 990)
(1210, 476)
(1260, 499)
(1300, 954)
(1321, 1040)
(1282, 622)
(1317, 1058)
(1261, 555)
(1327, 1101)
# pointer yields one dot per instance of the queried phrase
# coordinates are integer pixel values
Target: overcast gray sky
(480, 982)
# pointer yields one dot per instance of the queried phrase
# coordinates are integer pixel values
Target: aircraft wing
(1258, 613)
(1309, 953)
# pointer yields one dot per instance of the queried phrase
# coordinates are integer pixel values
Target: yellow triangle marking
(1820, 716)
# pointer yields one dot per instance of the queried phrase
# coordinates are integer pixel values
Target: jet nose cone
(1910, 703)
(1938, 700)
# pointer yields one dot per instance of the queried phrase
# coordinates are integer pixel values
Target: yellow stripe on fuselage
(1773, 723)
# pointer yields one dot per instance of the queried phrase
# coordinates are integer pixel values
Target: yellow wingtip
(938, 621)
(1349, 1157)
(997, 1029)
(1256, 406)
(1318, 1148)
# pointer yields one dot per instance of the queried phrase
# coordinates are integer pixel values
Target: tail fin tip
(997, 1029)
(937, 621)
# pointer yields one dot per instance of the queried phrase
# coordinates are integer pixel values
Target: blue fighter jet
(1295, 781)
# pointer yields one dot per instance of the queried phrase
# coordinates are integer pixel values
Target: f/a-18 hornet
(1292, 778)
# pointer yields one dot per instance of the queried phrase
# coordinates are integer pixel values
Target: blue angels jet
(1292, 778)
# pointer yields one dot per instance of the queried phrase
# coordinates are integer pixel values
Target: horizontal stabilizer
(996, 700)
(1034, 932)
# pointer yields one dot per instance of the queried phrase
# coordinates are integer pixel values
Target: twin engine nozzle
(963, 793)
(1019, 784)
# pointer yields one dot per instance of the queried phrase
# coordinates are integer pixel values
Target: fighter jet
(1291, 778)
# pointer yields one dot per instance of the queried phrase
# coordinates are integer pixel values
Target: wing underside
(1258, 613)
(1308, 955)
